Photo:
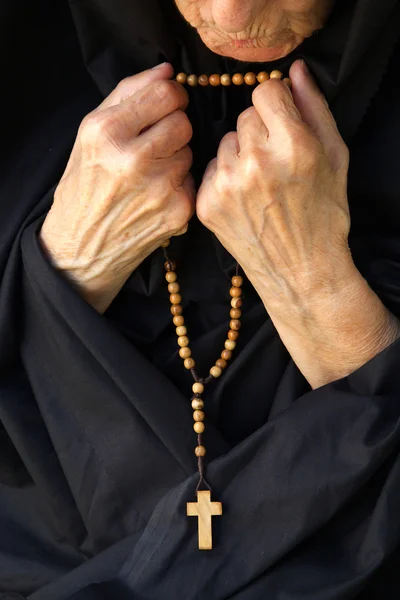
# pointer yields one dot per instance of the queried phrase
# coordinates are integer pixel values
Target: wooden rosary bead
(185, 352)
(235, 324)
(197, 404)
(170, 265)
(177, 309)
(173, 287)
(237, 281)
(189, 363)
(235, 292)
(237, 79)
(165, 244)
(180, 320)
(198, 415)
(233, 335)
(236, 302)
(215, 80)
(183, 341)
(175, 298)
(221, 363)
(262, 76)
(171, 276)
(226, 79)
(216, 371)
(198, 388)
(230, 344)
(250, 78)
(192, 80)
(199, 427)
(200, 451)
(181, 78)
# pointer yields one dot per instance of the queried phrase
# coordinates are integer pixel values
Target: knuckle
(278, 96)
(301, 146)
(272, 87)
(95, 125)
(260, 89)
(171, 91)
(182, 125)
(252, 167)
(90, 126)
(124, 87)
(147, 148)
(225, 176)
(246, 114)
(163, 89)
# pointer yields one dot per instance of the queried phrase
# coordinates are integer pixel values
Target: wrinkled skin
(276, 196)
(126, 188)
(276, 26)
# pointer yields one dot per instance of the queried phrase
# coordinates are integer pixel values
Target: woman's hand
(280, 208)
(276, 198)
(126, 188)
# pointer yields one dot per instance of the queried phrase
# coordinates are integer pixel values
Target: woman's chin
(255, 54)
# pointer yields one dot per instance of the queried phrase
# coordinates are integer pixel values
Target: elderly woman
(200, 301)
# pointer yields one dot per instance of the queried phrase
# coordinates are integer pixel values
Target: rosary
(204, 509)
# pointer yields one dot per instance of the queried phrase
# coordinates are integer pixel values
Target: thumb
(314, 110)
(130, 85)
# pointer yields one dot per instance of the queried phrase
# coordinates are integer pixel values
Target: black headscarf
(96, 438)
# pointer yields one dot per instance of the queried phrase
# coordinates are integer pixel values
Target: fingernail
(308, 73)
(305, 68)
(158, 66)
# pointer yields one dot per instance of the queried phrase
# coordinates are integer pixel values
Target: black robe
(96, 437)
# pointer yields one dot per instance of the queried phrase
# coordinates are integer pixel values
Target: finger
(130, 85)
(178, 166)
(166, 137)
(251, 132)
(145, 108)
(275, 105)
(228, 151)
(314, 108)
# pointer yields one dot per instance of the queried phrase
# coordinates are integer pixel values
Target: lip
(249, 43)
(250, 50)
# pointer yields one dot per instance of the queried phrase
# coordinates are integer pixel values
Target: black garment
(96, 439)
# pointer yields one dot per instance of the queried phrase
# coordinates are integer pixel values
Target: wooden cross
(204, 509)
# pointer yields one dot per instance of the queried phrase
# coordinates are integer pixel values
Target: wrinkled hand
(275, 195)
(126, 188)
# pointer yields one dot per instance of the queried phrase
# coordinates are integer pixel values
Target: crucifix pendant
(204, 509)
